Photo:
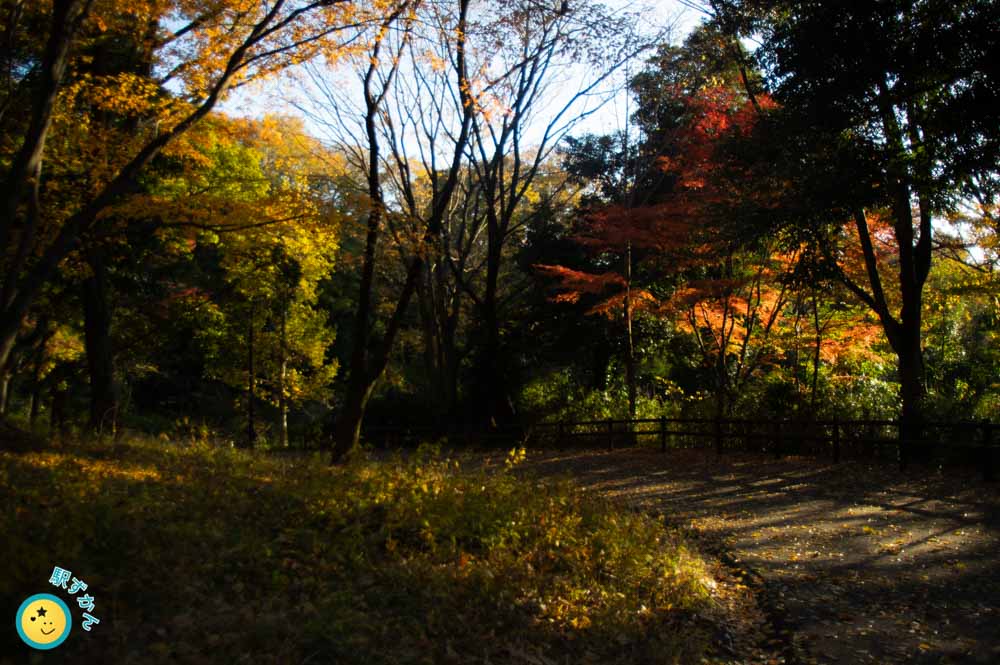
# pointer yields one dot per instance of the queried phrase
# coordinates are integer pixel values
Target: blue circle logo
(43, 621)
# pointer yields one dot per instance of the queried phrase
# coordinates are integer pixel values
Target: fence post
(776, 425)
(836, 441)
(663, 434)
(611, 434)
(987, 442)
(718, 435)
(561, 434)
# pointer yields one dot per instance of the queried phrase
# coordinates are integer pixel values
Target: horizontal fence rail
(960, 443)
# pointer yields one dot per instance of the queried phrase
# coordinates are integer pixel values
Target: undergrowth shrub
(197, 551)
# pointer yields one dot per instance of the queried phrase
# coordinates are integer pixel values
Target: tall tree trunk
(490, 361)
(251, 381)
(796, 350)
(57, 412)
(36, 394)
(630, 381)
(451, 365)
(359, 383)
(914, 266)
(352, 416)
(450, 358)
(363, 378)
(36, 376)
(817, 328)
(433, 353)
(448, 312)
(368, 360)
(909, 353)
(911, 384)
(360, 380)
(908, 345)
(499, 411)
(282, 378)
(374, 361)
(100, 352)
(4, 393)
(904, 332)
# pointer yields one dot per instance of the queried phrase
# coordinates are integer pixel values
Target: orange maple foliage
(732, 299)
(683, 230)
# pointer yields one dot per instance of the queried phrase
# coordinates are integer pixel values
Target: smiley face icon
(43, 621)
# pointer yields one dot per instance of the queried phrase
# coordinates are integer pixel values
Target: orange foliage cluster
(663, 228)
(680, 231)
(738, 312)
(733, 301)
(575, 283)
(854, 338)
(640, 300)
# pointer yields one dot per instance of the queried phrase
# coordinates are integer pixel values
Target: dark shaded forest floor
(858, 563)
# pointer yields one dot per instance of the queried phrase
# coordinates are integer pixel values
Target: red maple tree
(730, 299)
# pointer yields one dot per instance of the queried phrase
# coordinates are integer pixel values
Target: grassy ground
(197, 554)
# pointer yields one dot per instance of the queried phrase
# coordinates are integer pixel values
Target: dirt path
(861, 564)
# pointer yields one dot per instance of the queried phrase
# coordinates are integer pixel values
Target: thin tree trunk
(36, 382)
(359, 379)
(251, 381)
(499, 408)
(497, 413)
(352, 416)
(4, 393)
(433, 354)
(448, 314)
(816, 355)
(911, 380)
(630, 381)
(35, 406)
(362, 383)
(914, 266)
(53, 412)
(57, 412)
(368, 361)
(282, 377)
(450, 359)
(9, 396)
(903, 333)
(100, 352)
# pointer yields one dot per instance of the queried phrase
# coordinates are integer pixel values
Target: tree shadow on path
(864, 564)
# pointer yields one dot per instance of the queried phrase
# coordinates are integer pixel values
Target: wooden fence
(952, 443)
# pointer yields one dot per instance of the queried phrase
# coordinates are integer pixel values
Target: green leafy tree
(243, 200)
(886, 110)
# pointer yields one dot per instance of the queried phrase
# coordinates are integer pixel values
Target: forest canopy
(435, 218)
